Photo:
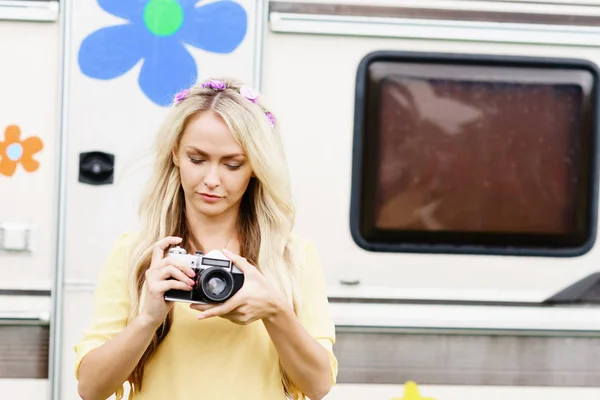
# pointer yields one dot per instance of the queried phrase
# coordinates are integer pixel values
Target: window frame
(427, 245)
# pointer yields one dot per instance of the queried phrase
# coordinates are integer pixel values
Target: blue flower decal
(156, 32)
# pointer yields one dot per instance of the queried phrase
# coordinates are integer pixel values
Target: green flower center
(163, 17)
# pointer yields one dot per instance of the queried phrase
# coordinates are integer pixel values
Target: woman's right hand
(159, 279)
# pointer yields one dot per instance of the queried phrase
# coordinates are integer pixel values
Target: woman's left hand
(257, 299)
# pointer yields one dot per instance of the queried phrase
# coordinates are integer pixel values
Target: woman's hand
(257, 299)
(164, 274)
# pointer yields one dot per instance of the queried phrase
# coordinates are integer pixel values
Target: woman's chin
(210, 210)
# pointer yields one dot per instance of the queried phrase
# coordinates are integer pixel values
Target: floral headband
(246, 91)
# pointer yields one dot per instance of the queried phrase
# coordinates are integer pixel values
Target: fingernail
(226, 251)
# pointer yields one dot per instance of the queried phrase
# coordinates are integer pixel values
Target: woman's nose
(211, 179)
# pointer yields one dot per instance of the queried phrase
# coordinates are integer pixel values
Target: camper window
(475, 154)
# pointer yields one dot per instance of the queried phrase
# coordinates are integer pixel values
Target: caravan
(443, 156)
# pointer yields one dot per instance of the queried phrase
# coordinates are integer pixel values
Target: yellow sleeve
(314, 312)
(111, 303)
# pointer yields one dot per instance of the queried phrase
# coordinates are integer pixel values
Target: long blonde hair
(266, 213)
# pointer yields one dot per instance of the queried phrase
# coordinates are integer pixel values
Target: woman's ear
(175, 158)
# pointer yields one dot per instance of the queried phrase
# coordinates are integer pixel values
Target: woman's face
(213, 167)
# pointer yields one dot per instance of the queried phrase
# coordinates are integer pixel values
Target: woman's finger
(173, 272)
(179, 264)
(202, 307)
(221, 309)
(159, 288)
(173, 284)
(159, 247)
(239, 261)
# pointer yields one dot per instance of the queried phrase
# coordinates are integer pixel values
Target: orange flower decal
(15, 151)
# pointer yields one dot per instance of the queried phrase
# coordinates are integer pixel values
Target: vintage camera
(217, 278)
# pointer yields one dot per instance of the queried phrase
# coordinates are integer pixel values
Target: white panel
(77, 315)
(24, 389)
(115, 116)
(29, 78)
(310, 80)
(395, 392)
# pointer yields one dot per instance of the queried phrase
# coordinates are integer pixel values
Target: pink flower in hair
(179, 97)
(249, 93)
(271, 118)
(215, 84)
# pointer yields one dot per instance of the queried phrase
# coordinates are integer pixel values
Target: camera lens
(217, 284)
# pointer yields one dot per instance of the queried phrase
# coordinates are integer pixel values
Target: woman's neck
(216, 232)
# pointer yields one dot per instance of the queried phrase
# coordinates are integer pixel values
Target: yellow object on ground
(411, 392)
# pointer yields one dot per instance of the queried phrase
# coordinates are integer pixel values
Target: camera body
(217, 278)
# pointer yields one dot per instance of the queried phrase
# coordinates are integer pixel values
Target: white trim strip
(55, 359)
(262, 21)
(417, 316)
(73, 285)
(546, 7)
(25, 318)
(437, 294)
(526, 7)
(434, 29)
(40, 11)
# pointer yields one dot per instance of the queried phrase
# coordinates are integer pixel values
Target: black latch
(96, 168)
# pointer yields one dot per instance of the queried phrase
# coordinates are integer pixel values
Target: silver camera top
(177, 250)
(213, 258)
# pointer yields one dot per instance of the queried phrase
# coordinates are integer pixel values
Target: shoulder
(301, 245)
(304, 253)
(123, 245)
(119, 256)
(125, 240)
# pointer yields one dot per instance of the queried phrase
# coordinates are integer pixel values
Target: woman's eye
(196, 160)
(233, 167)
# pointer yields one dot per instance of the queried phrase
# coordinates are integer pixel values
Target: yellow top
(213, 358)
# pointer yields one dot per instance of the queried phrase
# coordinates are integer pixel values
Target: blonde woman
(219, 182)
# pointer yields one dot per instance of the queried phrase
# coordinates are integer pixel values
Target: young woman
(219, 182)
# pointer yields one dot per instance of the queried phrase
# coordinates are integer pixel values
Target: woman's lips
(210, 198)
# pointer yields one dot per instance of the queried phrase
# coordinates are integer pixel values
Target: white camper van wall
(15, 151)
(157, 32)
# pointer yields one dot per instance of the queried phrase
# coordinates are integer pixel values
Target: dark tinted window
(474, 155)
